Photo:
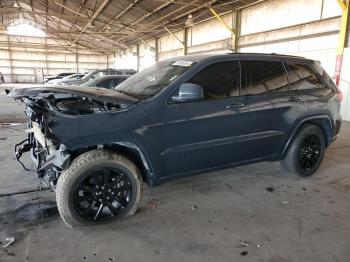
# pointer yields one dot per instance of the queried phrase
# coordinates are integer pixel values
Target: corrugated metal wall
(307, 28)
(27, 59)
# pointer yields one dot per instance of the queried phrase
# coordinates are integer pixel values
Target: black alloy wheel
(305, 152)
(309, 153)
(102, 195)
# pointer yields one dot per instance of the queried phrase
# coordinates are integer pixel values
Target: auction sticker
(183, 63)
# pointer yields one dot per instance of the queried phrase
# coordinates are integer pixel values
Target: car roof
(111, 76)
(248, 56)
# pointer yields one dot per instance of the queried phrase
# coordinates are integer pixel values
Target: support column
(156, 49)
(76, 59)
(138, 56)
(46, 62)
(10, 58)
(222, 21)
(342, 39)
(185, 41)
(178, 39)
(237, 26)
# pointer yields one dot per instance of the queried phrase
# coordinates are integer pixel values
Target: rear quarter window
(262, 77)
(302, 77)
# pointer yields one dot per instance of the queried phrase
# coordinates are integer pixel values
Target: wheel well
(130, 152)
(325, 126)
(323, 123)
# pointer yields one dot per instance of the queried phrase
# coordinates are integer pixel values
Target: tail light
(340, 95)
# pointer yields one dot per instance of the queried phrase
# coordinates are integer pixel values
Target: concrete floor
(221, 216)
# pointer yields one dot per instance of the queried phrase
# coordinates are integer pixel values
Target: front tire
(306, 152)
(99, 186)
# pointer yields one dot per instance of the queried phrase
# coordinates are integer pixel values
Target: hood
(99, 94)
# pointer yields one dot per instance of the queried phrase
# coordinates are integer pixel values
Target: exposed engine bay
(46, 109)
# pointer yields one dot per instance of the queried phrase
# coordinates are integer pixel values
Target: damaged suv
(182, 116)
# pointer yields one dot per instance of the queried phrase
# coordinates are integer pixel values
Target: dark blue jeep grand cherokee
(182, 116)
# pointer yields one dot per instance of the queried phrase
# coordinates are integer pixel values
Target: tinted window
(301, 77)
(105, 83)
(260, 77)
(117, 81)
(219, 80)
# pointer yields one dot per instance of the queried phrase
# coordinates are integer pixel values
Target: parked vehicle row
(106, 78)
(57, 76)
(181, 116)
(66, 78)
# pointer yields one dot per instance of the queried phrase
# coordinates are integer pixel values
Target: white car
(70, 77)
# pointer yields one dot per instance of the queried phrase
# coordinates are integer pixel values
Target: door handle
(294, 98)
(236, 105)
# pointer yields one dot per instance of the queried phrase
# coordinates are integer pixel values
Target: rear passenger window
(105, 84)
(219, 80)
(260, 77)
(302, 77)
(117, 81)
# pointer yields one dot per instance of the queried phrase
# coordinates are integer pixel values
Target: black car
(57, 76)
(99, 73)
(108, 82)
(180, 117)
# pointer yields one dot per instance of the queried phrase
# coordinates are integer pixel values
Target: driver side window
(219, 80)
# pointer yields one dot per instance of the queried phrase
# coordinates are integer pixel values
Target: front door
(209, 133)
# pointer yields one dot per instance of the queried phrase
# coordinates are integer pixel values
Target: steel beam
(228, 27)
(342, 39)
(92, 18)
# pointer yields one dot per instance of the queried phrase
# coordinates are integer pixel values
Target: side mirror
(189, 93)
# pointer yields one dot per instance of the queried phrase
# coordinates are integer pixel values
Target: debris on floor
(285, 202)
(152, 203)
(270, 189)
(244, 253)
(194, 207)
(243, 243)
(8, 241)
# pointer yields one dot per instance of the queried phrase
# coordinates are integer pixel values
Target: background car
(69, 77)
(108, 82)
(99, 73)
(57, 76)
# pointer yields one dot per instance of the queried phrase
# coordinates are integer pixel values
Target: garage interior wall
(299, 27)
(27, 59)
(304, 28)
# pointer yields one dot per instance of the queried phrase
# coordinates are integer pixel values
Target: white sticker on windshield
(183, 63)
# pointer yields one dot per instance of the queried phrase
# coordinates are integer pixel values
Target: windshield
(152, 80)
(87, 76)
(90, 83)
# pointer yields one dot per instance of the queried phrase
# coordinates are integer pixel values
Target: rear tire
(99, 186)
(306, 152)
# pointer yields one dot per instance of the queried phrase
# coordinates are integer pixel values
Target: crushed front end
(48, 155)
(50, 108)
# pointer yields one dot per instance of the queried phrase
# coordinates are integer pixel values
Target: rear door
(209, 133)
(105, 83)
(304, 82)
(273, 109)
(117, 81)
